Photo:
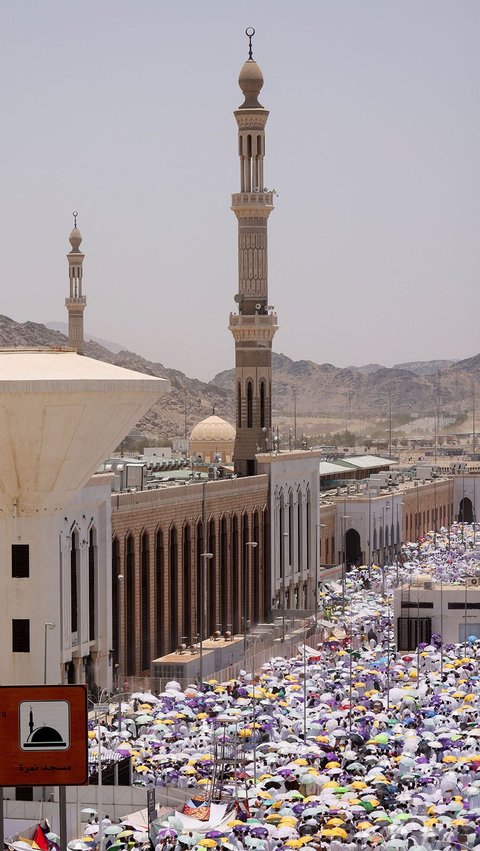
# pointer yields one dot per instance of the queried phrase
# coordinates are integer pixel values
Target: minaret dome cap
(251, 84)
(75, 238)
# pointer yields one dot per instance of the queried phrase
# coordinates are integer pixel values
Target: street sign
(102, 708)
(43, 731)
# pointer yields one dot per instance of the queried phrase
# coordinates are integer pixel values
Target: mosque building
(60, 416)
(110, 582)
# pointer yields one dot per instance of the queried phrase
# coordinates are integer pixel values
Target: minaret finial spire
(250, 32)
(74, 214)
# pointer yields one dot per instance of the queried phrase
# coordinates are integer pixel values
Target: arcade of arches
(156, 605)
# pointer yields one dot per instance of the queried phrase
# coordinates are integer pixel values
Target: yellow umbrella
(245, 733)
(449, 758)
(459, 821)
(335, 822)
(124, 833)
(294, 843)
(430, 822)
(208, 843)
(338, 831)
(300, 761)
(234, 823)
(263, 794)
(91, 734)
(332, 764)
(358, 784)
(364, 825)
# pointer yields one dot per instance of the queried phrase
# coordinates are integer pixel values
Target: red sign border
(11, 774)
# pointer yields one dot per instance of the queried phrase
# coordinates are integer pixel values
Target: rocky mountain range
(416, 388)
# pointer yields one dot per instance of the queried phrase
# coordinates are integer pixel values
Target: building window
(249, 405)
(20, 561)
(74, 582)
(262, 404)
(21, 635)
(412, 631)
(130, 624)
(159, 592)
(115, 600)
(239, 406)
(92, 582)
(145, 599)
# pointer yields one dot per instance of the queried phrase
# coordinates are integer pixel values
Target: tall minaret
(255, 324)
(77, 302)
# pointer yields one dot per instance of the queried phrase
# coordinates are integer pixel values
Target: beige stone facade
(420, 505)
(254, 326)
(157, 546)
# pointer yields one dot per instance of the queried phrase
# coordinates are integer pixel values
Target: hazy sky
(123, 110)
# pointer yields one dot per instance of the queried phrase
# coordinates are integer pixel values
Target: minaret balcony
(256, 327)
(251, 202)
(82, 299)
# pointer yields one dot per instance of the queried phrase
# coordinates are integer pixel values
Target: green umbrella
(144, 719)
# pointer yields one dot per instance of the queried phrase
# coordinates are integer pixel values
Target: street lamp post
(247, 569)
(318, 556)
(345, 517)
(203, 559)
(117, 666)
(46, 626)
(283, 542)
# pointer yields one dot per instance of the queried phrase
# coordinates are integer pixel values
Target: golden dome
(213, 430)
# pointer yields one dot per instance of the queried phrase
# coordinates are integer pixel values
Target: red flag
(40, 839)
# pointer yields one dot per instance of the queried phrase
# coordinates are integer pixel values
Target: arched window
(130, 626)
(92, 583)
(267, 585)
(249, 404)
(159, 593)
(281, 539)
(308, 527)
(173, 580)
(262, 404)
(145, 599)
(236, 609)
(225, 575)
(115, 601)
(187, 585)
(200, 581)
(74, 579)
(245, 572)
(212, 579)
(239, 405)
(299, 531)
(257, 581)
(291, 530)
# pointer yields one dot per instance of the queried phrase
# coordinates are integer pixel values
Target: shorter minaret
(77, 302)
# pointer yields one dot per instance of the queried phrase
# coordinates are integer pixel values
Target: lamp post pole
(119, 586)
(318, 556)
(283, 543)
(345, 517)
(247, 570)
(46, 627)
(203, 559)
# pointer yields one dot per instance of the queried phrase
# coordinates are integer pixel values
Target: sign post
(43, 730)
(151, 810)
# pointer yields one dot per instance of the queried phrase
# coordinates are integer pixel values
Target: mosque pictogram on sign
(44, 725)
